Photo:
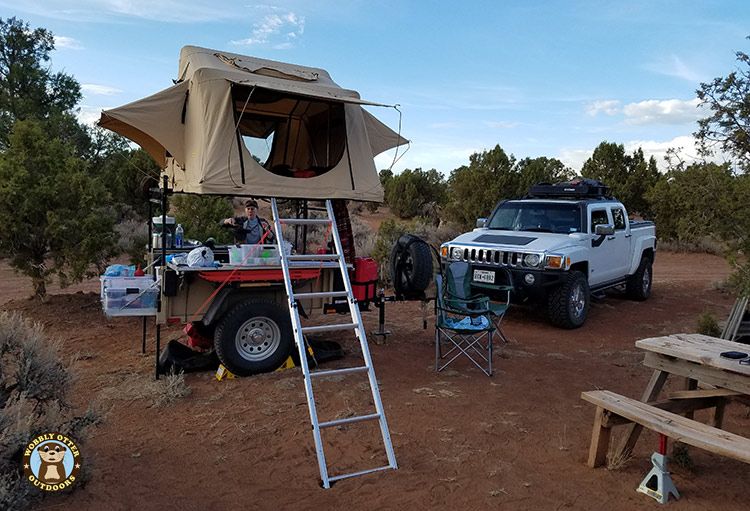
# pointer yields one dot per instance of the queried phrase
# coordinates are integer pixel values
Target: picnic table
(710, 380)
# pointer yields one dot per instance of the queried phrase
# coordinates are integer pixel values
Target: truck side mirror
(604, 229)
(481, 222)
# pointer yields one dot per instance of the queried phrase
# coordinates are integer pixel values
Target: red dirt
(518, 440)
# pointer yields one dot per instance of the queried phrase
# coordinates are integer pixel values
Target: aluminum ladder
(320, 261)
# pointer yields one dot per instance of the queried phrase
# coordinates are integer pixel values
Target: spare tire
(411, 266)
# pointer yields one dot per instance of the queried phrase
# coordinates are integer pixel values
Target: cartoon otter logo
(51, 462)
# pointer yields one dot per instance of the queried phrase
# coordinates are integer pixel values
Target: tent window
(291, 136)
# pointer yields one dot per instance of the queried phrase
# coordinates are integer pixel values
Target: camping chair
(459, 285)
(465, 326)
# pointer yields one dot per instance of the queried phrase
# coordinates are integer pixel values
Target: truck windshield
(536, 217)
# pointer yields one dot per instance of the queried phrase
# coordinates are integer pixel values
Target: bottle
(178, 236)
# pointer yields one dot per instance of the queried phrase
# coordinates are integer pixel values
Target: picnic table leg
(599, 439)
(718, 418)
(690, 384)
(633, 431)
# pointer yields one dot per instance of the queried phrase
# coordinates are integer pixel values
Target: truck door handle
(611, 237)
(628, 235)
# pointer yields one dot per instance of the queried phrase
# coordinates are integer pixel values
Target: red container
(365, 278)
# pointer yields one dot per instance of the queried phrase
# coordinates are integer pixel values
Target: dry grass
(133, 387)
(702, 246)
(615, 460)
(35, 384)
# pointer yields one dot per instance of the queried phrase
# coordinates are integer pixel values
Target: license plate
(484, 276)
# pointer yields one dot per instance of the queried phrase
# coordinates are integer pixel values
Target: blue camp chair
(465, 326)
(459, 285)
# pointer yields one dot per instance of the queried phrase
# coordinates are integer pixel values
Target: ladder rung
(305, 221)
(345, 370)
(360, 473)
(321, 294)
(312, 265)
(313, 257)
(349, 420)
(328, 328)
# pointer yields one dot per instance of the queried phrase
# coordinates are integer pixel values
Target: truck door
(600, 254)
(620, 243)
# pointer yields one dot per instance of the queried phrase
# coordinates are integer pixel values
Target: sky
(541, 78)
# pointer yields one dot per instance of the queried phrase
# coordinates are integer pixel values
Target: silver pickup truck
(556, 247)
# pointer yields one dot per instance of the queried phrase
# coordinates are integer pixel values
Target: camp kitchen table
(697, 358)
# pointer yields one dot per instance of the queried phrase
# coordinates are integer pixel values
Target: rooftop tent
(238, 125)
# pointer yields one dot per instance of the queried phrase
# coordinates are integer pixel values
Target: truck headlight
(457, 253)
(531, 260)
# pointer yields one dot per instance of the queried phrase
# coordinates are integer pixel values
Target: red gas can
(365, 278)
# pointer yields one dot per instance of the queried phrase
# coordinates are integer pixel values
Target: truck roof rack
(579, 188)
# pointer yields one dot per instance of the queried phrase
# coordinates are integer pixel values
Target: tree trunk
(39, 283)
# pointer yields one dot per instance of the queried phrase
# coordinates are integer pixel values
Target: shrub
(35, 386)
(201, 216)
(408, 192)
(707, 325)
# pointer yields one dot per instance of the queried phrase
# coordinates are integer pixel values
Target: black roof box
(579, 188)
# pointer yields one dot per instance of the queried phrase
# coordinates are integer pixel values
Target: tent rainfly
(238, 125)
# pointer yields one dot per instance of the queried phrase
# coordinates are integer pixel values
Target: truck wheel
(568, 303)
(255, 336)
(639, 284)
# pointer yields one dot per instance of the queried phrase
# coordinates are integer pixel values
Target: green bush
(201, 216)
(410, 191)
(707, 325)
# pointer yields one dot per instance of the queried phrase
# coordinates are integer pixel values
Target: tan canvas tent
(238, 125)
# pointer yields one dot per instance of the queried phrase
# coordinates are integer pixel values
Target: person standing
(251, 228)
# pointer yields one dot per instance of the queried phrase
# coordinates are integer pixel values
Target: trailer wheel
(255, 336)
(568, 303)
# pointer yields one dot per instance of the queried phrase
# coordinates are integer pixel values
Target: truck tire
(568, 303)
(638, 286)
(255, 336)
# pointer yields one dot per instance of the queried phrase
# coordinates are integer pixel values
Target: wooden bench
(613, 409)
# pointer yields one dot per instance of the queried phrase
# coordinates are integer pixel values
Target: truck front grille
(489, 256)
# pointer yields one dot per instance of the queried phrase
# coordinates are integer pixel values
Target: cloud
(89, 115)
(280, 31)
(443, 157)
(673, 65)
(92, 89)
(500, 124)
(684, 145)
(668, 111)
(63, 42)
(574, 158)
(163, 11)
(606, 106)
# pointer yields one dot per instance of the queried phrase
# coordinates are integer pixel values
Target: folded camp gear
(177, 357)
(200, 257)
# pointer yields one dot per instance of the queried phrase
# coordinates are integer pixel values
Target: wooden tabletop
(699, 349)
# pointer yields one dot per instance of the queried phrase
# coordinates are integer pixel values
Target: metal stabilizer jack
(658, 484)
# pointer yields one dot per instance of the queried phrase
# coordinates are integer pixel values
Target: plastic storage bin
(129, 296)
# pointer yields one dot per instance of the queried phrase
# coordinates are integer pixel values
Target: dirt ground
(518, 440)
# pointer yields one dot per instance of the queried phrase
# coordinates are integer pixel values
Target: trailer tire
(638, 286)
(568, 303)
(254, 336)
